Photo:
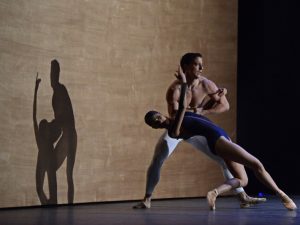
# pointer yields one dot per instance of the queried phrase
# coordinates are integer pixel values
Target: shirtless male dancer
(200, 94)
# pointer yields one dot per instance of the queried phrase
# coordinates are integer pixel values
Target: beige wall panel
(117, 58)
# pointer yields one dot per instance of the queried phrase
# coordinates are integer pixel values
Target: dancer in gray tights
(165, 147)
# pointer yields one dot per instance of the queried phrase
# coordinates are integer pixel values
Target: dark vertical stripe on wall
(268, 90)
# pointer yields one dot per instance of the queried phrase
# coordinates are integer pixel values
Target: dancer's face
(158, 121)
(194, 69)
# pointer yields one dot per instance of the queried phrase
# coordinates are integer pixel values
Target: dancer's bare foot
(145, 204)
(287, 202)
(211, 199)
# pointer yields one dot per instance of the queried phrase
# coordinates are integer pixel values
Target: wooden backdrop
(117, 58)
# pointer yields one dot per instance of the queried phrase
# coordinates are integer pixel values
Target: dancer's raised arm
(175, 128)
(35, 124)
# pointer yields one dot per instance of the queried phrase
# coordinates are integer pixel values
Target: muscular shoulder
(209, 86)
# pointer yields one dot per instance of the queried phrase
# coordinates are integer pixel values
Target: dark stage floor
(167, 212)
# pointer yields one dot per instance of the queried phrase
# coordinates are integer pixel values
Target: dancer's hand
(218, 94)
(37, 80)
(179, 74)
(223, 91)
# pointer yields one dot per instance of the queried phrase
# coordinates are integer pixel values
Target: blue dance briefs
(194, 124)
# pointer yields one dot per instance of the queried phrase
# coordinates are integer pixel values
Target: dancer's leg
(200, 143)
(66, 148)
(233, 152)
(72, 146)
(240, 180)
(39, 177)
(52, 182)
(163, 149)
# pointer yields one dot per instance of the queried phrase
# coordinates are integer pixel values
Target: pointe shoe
(287, 202)
(246, 201)
(211, 199)
(145, 204)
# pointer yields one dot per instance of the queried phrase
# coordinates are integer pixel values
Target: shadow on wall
(61, 130)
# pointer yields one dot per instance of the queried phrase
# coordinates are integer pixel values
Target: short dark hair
(149, 117)
(188, 58)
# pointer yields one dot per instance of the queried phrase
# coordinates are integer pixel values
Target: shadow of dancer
(64, 117)
(60, 130)
(46, 134)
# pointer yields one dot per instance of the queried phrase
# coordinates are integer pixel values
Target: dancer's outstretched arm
(35, 125)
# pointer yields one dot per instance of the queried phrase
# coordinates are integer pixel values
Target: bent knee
(244, 182)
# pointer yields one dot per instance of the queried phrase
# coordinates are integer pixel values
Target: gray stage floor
(167, 212)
